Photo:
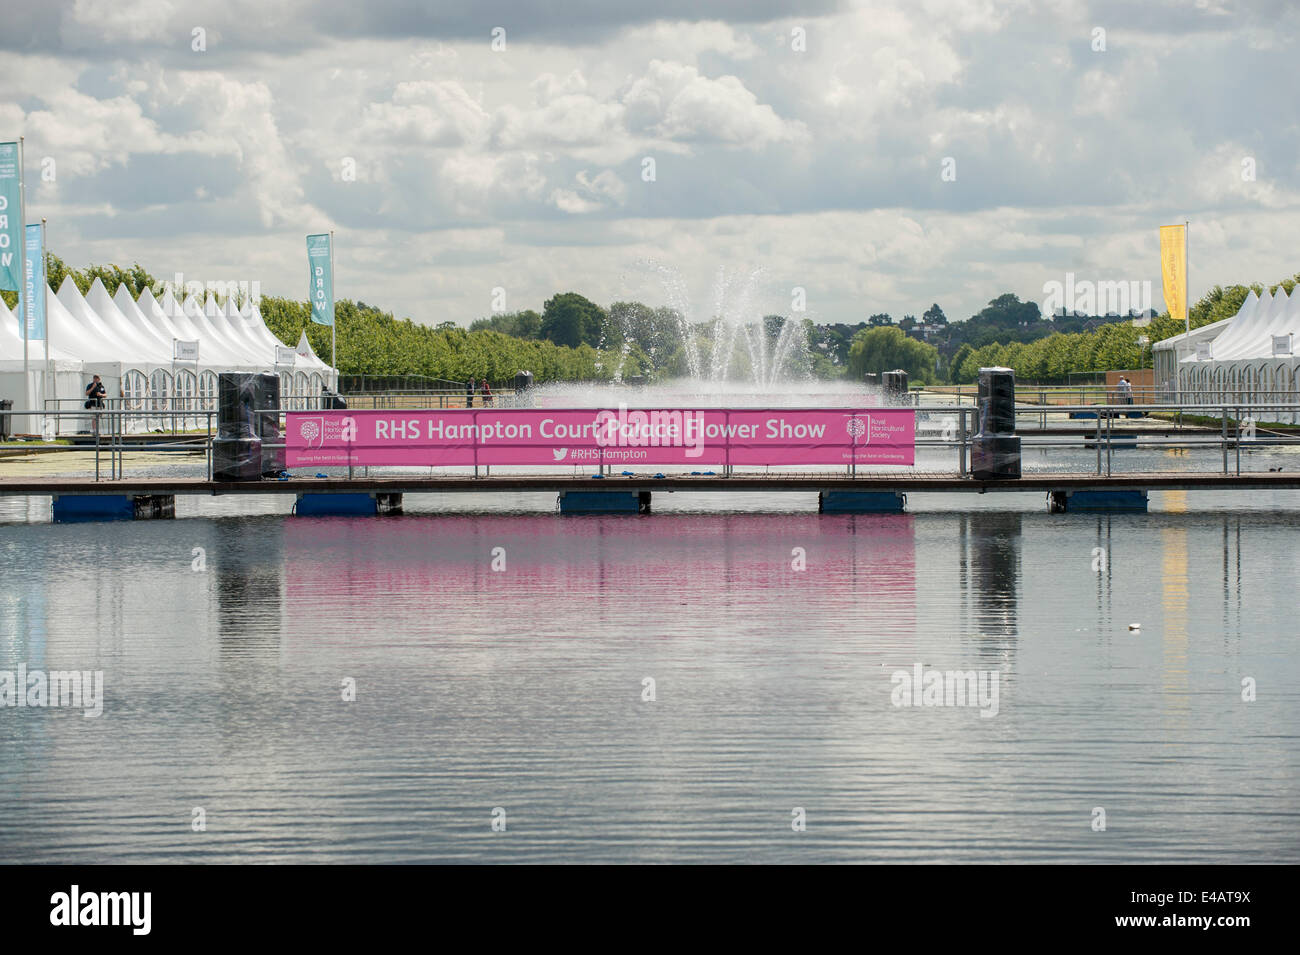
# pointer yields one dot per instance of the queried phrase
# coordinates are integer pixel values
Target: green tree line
(573, 338)
(1118, 345)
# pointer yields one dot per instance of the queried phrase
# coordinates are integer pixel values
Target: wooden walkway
(412, 484)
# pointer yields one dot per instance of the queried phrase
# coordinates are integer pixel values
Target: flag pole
(51, 390)
(28, 394)
(334, 318)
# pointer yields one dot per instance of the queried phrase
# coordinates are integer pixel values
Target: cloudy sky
(804, 142)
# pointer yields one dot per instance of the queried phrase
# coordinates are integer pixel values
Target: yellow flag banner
(1173, 268)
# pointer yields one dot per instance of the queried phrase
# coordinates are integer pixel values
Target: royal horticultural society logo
(311, 430)
(857, 428)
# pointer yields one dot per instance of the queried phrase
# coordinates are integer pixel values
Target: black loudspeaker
(237, 449)
(268, 424)
(995, 456)
(236, 459)
(995, 448)
(894, 384)
(523, 396)
(236, 399)
(997, 401)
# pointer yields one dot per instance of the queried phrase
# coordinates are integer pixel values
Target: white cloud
(822, 164)
(91, 22)
(674, 101)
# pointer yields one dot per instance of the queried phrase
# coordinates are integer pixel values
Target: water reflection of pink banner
(593, 436)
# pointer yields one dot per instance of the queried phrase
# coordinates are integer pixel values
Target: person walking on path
(1125, 391)
(469, 393)
(487, 394)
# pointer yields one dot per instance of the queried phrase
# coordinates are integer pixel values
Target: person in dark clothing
(487, 394)
(95, 392)
(469, 393)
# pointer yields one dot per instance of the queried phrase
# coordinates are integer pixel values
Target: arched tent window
(160, 395)
(186, 392)
(208, 392)
(317, 385)
(286, 388)
(300, 389)
(135, 389)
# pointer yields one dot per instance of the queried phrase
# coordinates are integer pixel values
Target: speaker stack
(237, 448)
(995, 448)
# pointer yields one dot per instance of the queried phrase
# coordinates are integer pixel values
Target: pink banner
(594, 436)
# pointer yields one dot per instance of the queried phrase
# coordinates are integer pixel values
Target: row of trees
(573, 338)
(1056, 357)
(1114, 345)
(373, 342)
(136, 279)
(884, 348)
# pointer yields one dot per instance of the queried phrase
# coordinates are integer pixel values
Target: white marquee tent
(1252, 359)
(130, 344)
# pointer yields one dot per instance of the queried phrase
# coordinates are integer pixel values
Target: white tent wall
(214, 349)
(1169, 352)
(1242, 368)
(192, 389)
(310, 375)
(105, 305)
(130, 344)
(144, 381)
(149, 347)
(1241, 324)
(157, 361)
(257, 325)
(121, 344)
(167, 318)
(65, 376)
(233, 330)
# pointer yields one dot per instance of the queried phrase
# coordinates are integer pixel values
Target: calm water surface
(522, 688)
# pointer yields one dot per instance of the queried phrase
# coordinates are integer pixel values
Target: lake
(501, 655)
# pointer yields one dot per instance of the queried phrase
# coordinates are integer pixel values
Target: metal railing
(442, 399)
(1109, 395)
(173, 414)
(950, 429)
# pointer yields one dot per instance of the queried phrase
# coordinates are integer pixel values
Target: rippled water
(522, 688)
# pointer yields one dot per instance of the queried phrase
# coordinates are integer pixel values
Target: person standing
(95, 392)
(487, 394)
(469, 393)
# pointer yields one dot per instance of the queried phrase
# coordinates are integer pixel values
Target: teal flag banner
(34, 284)
(11, 237)
(322, 279)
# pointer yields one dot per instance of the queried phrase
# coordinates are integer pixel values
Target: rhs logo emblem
(858, 429)
(311, 430)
